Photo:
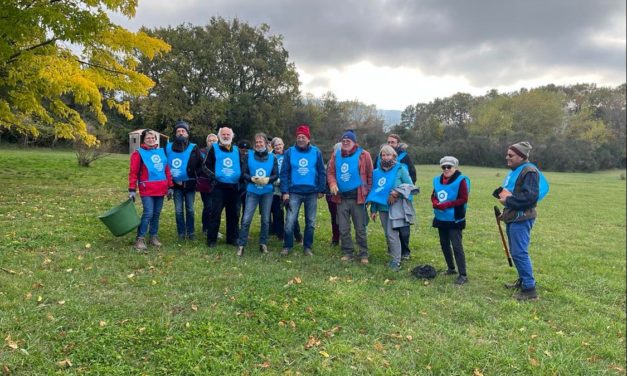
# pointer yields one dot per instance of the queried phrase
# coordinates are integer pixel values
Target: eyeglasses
(446, 167)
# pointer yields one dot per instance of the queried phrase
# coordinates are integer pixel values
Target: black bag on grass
(424, 271)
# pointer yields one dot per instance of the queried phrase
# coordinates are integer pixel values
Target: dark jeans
(448, 237)
(228, 199)
(404, 236)
(184, 212)
(277, 220)
(206, 210)
(150, 217)
(335, 229)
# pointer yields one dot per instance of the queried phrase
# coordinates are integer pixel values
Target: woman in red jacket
(150, 173)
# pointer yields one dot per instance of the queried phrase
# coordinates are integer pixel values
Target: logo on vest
(442, 195)
(260, 172)
(155, 159)
(303, 162)
(177, 162)
(303, 168)
(344, 176)
(344, 167)
(380, 183)
(228, 162)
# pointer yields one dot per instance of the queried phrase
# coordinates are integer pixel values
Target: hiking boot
(516, 285)
(462, 279)
(154, 241)
(527, 294)
(285, 252)
(140, 244)
(364, 261)
(263, 249)
(307, 252)
(347, 258)
(449, 272)
(394, 266)
(240, 251)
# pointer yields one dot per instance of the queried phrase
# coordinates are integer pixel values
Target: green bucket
(122, 219)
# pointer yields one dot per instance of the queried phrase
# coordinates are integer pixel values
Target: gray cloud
(490, 42)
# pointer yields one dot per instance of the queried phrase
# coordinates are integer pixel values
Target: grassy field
(76, 300)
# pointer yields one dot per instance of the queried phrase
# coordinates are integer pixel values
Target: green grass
(71, 291)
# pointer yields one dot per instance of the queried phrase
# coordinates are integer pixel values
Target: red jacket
(138, 172)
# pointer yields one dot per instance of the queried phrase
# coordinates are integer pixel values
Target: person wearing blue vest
(259, 171)
(303, 181)
(183, 158)
(223, 162)
(523, 187)
(386, 178)
(395, 142)
(349, 174)
(449, 199)
(150, 173)
(204, 183)
(277, 214)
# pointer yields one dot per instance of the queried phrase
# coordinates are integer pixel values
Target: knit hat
(243, 144)
(350, 134)
(304, 130)
(181, 124)
(522, 149)
(449, 161)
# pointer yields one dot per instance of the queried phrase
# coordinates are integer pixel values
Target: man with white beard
(224, 164)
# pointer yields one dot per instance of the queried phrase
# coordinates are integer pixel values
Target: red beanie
(304, 130)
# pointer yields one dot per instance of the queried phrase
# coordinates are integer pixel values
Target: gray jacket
(401, 213)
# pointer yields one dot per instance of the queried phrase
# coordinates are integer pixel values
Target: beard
(225, 140)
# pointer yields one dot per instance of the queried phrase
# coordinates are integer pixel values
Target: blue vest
(347, 171)
(178, 162)
(154, 160)
(448, 192)
(382, 184)
(227, 168)
(303, 166)
(510, 180)
(261, 169)
(279, 160)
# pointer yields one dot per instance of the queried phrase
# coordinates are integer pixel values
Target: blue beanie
(350, 135)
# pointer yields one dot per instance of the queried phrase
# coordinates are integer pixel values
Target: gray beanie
(522, 149)
(181, 124)
(449, 161)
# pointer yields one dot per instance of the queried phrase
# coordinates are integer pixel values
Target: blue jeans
(310, 201)
(184, 221)
(265, 204)
(152, 210)
(519, 236)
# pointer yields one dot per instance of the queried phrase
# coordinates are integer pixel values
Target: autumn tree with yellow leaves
(53, 52)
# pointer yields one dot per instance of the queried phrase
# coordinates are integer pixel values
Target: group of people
(276, 181)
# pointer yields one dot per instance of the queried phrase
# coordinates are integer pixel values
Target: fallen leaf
(61, 302)
(426, 283)
(534, 336)
(560, 333)
(386, 281)
(477, 372)
(50, 317)
(141, 330)
(409, 338)
(194, 307)
(265, 364)
(153, 282)
(29, 295)
(130, 275)
(11, 343)
(311, 342)
(333, 279)
(378, 346)
(8, 270)
(534, 362)
(547, 353)
(102, 323)
(69, 270)
(297, 280)
(187, 325)
(64, 363)
(324, 353)
(40, 299)
(6, 370)
(87, 245)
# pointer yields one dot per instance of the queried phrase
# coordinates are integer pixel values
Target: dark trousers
(403, 233)
(448, 237)
(227, 199)
(277, 220)
(335, 229)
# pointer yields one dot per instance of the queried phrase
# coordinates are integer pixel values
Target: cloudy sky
(393, 53)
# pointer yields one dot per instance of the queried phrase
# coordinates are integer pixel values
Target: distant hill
(390, 117)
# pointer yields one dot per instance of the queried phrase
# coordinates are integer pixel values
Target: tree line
(229, 73)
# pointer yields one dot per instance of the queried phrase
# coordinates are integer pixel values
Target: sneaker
(347, 258)
(462, 279)
(140, 244)
(394, 266)
(220, 236)
(516, 285)
(263, 249)
(307, 252)
(405, 256)
(285, 252)
(527, 294)
(154, 241)
(364, 261)
(450, 272)
(240, 251)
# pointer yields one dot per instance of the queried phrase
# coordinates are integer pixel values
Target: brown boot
(154, 241)
(140, 244)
